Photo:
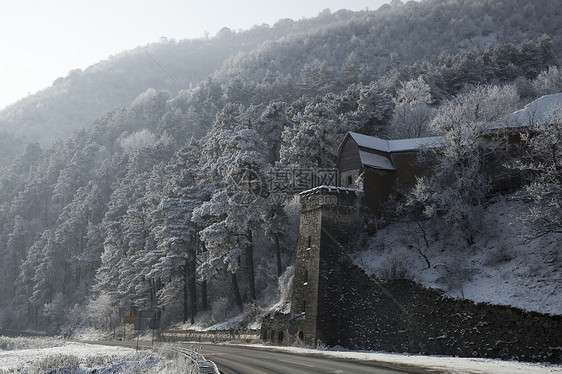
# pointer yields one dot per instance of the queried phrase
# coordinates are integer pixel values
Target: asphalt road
(238, 359)
(232, 359)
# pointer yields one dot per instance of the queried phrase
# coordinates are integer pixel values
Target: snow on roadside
(102, 358)
(452, 365)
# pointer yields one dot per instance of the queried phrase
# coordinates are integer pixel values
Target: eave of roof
(397, 145)
(376, 161)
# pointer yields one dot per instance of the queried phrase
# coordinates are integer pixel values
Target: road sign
(140, 323)
(293, 329)
(299, 316)
(129, 319)
(154, 324)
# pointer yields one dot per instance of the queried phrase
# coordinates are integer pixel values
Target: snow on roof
(329, 189)
(398, 145)
(376, 161)
(370, 142)
(535, 113)
(403, 145)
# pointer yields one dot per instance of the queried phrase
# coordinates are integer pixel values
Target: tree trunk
(204, 295)
(278, 254)
(250, 266)
(185, 291)
(236, 290)
(192, 289)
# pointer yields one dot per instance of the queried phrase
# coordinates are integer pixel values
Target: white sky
(42, 40)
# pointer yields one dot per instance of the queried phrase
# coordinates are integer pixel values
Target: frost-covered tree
(103, 313)
(542, 170)
(549, 81)
(375, 108)
(457, 189)
(177, 245)
(412, 111)
(273, 120)
(16, 253)
(150, 105)
(48, 278)
(232, 216)
(312, 142)
(134, 287)
(138, 140)
(22, 301)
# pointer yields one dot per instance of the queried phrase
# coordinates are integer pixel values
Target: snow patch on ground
(451, 365)
(104, 359)
(500, 268)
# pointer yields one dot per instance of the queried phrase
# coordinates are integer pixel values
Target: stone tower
(328, 221)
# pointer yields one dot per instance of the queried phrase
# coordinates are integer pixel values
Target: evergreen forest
(164, 177)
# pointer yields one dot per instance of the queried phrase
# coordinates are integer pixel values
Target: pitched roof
(398, 145)
(536, 112)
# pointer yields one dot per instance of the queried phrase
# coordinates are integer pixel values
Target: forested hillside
(78, 98)
(169, 196)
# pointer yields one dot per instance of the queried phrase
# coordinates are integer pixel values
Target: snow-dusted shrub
(9, 344)
(103, 313)
(174, 363)
(397, 265)
(56, 364)
(222, 309)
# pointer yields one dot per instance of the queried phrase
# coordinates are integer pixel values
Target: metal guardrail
(213, 336)
(205, 366)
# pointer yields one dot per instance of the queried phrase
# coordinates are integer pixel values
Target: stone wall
(274, 329)
(343, 306)
(402, 316)
(328, 218)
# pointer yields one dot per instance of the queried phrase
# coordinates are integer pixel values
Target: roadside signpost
(293, 329)
(146, 318)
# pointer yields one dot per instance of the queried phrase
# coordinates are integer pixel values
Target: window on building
(349, 180)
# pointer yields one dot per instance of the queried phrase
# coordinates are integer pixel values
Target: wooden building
(387, 167)
(383, 165)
